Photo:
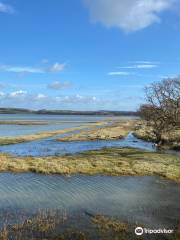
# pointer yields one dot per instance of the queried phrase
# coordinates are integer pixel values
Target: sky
(86, 54)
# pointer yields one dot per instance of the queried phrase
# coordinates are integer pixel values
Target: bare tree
(162, 108)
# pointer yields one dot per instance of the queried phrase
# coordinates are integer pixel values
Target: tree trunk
(159, 140)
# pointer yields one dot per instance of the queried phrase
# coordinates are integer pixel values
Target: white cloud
(25, 99)
(57, 67)
(57, 85)
(17, 69)
(128, 15)
(141, 66)
(119, 73)
(19, 93)
(5, 8)
(168, 76)
(77, 99)
(40, 96)
(2, 94)
(145, 62)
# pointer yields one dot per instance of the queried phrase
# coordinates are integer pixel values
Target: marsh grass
(42, 135)
(43, 224)
(107, 161)
(22, 122)
(55, 226)
(117, 130)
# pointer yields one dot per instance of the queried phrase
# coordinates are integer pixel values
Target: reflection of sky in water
(149, 200)
(17, 130)
(65, 118)
(50, 147)
(55, 122)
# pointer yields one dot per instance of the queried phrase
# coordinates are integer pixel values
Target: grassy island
(108, 161)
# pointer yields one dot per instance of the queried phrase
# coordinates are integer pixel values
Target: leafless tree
(162, 108)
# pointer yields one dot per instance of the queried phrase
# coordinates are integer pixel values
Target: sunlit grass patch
(117, 130)
(107, 161)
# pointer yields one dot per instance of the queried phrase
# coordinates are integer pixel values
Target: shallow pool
(146, 200)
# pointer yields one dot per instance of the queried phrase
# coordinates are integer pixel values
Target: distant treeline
(66, 112)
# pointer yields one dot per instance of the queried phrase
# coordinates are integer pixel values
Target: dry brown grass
(22, 122)
(105, 223)
(171, 139)
(42, 135)
(117, 130)
(53, 225)
(111, 161)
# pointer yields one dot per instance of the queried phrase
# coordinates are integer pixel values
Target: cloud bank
(128, 15)
(24, 98)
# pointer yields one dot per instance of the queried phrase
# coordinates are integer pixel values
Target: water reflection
(51, 147)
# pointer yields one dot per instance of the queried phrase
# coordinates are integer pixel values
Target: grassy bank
(171, 139)
(42, 135)
(111, 161)
(117, 130)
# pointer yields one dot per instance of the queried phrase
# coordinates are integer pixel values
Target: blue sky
(85, 54)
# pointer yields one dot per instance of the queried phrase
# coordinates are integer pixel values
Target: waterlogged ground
(54, 122)
(51, 147)
(151, 201)
(143, 200)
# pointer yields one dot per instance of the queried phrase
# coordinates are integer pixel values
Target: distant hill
(66, 112)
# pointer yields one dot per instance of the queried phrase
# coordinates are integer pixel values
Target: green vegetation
(110, 161)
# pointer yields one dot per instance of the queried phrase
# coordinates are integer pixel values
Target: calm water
(44, 117)
(50, 147)
(55, 122)
(148, 200)
(145, 200)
